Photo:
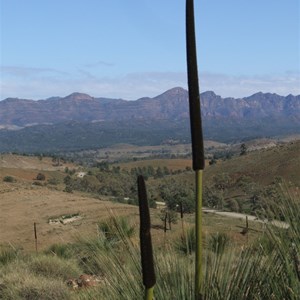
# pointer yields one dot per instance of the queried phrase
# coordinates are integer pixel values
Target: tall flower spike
(149, 279)
(193, 86)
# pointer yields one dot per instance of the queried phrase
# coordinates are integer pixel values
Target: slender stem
(149, 294)
(35, 237)
(199, 276)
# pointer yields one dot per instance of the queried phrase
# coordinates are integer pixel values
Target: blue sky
(134, 48)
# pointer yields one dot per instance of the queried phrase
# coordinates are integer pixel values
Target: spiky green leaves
(145, 236)
(194, 94)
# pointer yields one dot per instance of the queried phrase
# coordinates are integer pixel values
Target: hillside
(264, 165)
(27, 200)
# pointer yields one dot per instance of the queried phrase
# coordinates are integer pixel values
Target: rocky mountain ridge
(171, 105)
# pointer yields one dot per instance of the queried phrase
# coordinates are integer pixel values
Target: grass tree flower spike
(193, 87)
(197, 136)
(149, 279)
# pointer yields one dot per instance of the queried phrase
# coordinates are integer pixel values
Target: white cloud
(39, 83)
(18, 71)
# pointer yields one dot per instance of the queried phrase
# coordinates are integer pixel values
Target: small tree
(243, 149)
(68, 189)
(176, 193)
(170, 216)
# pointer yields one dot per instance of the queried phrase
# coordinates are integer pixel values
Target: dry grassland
(23, 203)
(21, 206)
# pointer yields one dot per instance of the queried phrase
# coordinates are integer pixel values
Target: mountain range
(171, 105)
(55, 123)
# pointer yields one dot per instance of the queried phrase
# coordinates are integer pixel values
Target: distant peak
(209, 93)
(261, 95)
(79, 96)
(176, 90)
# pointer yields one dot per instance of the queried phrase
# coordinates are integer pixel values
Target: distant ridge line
(170, 105)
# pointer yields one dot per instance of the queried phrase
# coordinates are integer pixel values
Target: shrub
(40, 176)
(9, 179)
(187, 241)
(24, 285)
(60, 250)
(233, 205)
(68, 189)
(53, 266)
(7, 254)
(115, 228)
(218, 242)
(53, 181)
(38, 183)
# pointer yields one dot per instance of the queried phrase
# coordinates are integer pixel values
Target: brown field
(23, 203)
(22, 206)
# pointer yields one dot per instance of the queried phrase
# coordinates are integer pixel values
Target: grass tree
(197, 136)
(149, 279)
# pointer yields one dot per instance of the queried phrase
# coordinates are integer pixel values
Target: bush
(115, 228)
(7, 254)
(9, 179)
(187, 241)
(53, 181)
(38, 183)
(218, 242)
(24, 285)
(60, 250)
(40, 176)
(53, 266)
(68, 189)
(233, 205)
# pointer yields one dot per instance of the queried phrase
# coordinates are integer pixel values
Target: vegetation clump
(9, 179)
(40, 176)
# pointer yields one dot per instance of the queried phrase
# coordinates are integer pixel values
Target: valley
(102, 190)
